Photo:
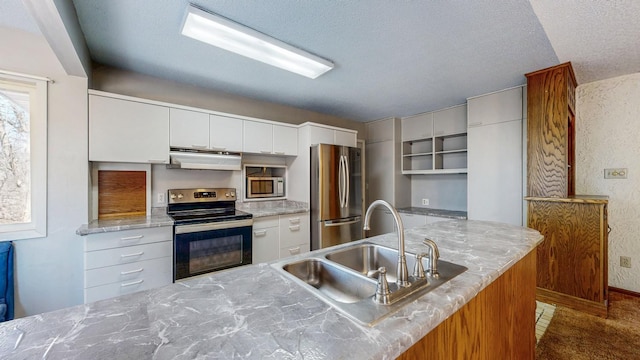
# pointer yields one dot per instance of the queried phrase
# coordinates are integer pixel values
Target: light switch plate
(618, 173)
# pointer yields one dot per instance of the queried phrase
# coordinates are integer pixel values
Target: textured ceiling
(600, 38)
(393, 58)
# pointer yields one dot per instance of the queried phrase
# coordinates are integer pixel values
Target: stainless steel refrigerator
(336, 195)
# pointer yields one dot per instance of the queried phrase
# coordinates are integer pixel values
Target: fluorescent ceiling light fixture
(226, 34)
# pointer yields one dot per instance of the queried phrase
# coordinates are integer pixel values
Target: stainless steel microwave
(265, 187)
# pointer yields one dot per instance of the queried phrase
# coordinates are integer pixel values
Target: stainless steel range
(209, 234)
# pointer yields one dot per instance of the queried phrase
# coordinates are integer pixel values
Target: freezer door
(335, 232)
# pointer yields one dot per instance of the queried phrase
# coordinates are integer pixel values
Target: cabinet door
(285, 140)
(495, 108)
(412, 220)
(450, 121)
(188, 129)
(380, 130)
(380, 171)
(417, 127)
(127, 131)
(258, 137)
(345, 138)
(294, 229)
(225, 133)
(494, 172)
(265, 245)
(320, 135)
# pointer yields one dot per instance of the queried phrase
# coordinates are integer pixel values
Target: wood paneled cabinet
(551, 132)
(572, 259)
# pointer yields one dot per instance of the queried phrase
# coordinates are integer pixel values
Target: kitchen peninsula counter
(253, 312)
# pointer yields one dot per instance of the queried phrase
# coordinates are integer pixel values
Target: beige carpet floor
(576, 336)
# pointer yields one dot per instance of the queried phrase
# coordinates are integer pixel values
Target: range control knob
(180, 196)
(172, 196)
(233, 194)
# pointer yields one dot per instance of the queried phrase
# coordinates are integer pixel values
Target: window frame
(38, 95)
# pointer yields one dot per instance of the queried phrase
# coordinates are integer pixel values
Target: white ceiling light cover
(226, 34)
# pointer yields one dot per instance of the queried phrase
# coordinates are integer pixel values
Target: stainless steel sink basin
(338, 277)
(332, 281)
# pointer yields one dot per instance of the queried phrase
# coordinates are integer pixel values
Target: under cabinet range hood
(204, 160)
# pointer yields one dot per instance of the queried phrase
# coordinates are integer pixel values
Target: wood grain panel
(499, 323)
(572, 259)
(121, 193)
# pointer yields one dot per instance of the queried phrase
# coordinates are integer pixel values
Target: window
(23, 157)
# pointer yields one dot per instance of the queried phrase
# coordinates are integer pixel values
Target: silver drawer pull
(294, 220)
(294, 251)
(279, 152)
(132, 283)
(131, 271)
(265, 151)
(129, 238)
(132, 255)
(294, 228)
(218, 148)
(196, 146)
(259, 232)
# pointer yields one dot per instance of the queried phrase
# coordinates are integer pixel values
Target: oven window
(211, 254)
(262, 187)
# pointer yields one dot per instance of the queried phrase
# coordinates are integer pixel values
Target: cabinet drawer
(125, 273)
(294, 229)
(126, 287)
(294, 250)
(265, 222)
(129, 254)
(117, 239)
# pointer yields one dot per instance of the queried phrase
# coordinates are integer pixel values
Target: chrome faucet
(434, 255)
(403, 273)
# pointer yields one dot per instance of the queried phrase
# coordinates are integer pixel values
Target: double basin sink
(339, 277)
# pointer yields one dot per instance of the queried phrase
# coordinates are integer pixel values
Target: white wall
(444, 191)
(608, 136)
(48, 271)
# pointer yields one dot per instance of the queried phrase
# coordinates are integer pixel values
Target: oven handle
(191, 228)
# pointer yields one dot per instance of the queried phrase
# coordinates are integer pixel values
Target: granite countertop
(254, 312)
(159, 216)
(450, 214)
(273, 207)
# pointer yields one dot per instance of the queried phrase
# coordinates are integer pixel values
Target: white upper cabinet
(495, 108)
(188, 129)
(267, 138)
(345, 138)
(379, 130)
(127, 131)
(285, 140)
(330, 135)
(225, 133)
(417, 127)
(450, 121)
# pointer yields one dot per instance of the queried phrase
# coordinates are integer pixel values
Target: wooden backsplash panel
(121, 193)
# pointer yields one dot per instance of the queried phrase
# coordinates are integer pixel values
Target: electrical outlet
(160, 198)
(425, 201)
(619, 173)
(625, 261)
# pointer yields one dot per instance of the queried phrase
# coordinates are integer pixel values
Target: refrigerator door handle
(340, 170)
(347, 178)
(348, 221)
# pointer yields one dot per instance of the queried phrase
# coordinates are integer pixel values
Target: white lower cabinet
(265, 242)
(276, 237)
(123, 262)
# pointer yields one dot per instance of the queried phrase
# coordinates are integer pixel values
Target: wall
(48, 271)
(134, 84)
(607, 136)
(446, 191)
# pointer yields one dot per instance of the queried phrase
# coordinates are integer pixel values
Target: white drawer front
(294, 250)
(265, 222)
(162, 267)
(129, 254)
(116, 239)
(294, 229)
(126, 287)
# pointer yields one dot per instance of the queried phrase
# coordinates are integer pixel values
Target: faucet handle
(418, 269)
(382, 290)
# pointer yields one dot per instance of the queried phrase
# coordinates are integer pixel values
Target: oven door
(207, 247)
